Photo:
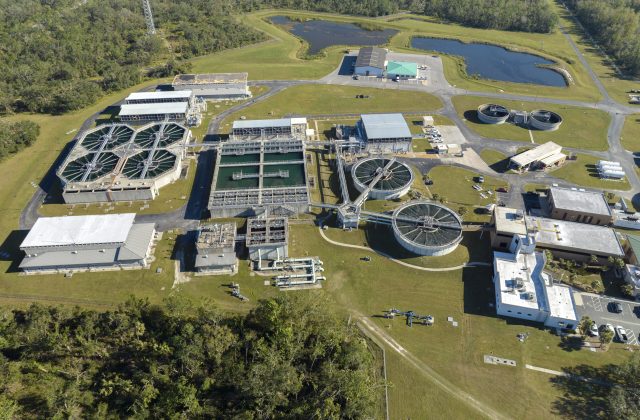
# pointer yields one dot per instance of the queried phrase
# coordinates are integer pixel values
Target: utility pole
(148, 17)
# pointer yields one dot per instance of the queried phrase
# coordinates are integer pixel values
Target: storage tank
(492, 114)
(427, 228)
(395, 182)
(542, 119)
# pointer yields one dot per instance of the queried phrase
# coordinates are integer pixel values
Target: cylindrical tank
(542, 119)
(394, 183)
(427, 228)
(492, 114)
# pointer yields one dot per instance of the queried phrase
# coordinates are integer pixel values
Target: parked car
(480, 179)
(607, 327)
(593, 329)
(502, 189)
(615, 307)
(621, 333)
(636, 310)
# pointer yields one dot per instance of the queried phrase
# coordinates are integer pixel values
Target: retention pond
(321, 34)
(494, 62)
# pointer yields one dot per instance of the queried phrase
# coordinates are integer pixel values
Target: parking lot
(598, 309)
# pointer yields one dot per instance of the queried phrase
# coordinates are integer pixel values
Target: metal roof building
(214, 86)
(545, 155)
(402, 70)
(86, 243)
(579, 206)
(154, 111)
(371, 61)
(385, 132)
(159, 97)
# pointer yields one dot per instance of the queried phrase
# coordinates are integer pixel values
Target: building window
(503, 244)
(509, 310)
(519, 313)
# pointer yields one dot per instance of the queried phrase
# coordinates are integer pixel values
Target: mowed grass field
(582, 128)
(310, 100)
(630, 137)
(583, 172)
(456, 186)
(369, 288)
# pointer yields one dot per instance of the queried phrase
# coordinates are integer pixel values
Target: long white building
(87, 243)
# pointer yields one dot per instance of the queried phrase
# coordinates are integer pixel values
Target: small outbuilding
(544, 156)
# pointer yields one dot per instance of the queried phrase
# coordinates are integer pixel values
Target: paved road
(187, 216)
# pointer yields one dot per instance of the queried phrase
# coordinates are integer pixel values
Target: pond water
(494, 62)
(321, 34)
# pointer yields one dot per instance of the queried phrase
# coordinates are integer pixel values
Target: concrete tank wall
(488, 119)
(543, 125)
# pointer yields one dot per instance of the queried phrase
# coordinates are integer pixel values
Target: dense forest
(15, 136)
(61, 55)
(510, 15)
(291, 357)
(615, 24)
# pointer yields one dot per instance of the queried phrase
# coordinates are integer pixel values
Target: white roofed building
(579, 206)
(87, 243)
(523, 290)
(544, 156)
(215, 86)
(155, 111)
(159, 97)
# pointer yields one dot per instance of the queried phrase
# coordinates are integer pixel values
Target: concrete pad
(451, 134)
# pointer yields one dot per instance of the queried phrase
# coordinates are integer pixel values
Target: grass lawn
(312, 100)
(552, 46)
(372, 287)
(583, 172)
(617, 86)
(630, 137)
(583, 128)
(496, 160)
(455, 185)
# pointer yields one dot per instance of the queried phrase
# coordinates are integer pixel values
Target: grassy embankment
(616, 85)
(582, 128)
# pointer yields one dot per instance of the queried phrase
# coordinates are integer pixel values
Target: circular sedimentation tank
(542, 119)
(395, 182)
(427, 228)
(493, 114)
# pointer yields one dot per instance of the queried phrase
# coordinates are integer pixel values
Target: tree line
(15, 136)
(510, 15)
(290, 357)
(615, 24)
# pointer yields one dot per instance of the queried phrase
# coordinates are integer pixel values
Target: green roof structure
(634, 244)
(402, 68)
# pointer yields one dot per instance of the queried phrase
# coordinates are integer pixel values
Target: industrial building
(87, 243)
(384, 133)
(114, 162)
(269, 129)
(214, 87)
(524, 291)
(545, 156)
(371, 61)
(569, 240)
(401, 70)
(163, 111)
(253, 176)
(581, 206)
(160, 97)
(267, 238)
(215, 249)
